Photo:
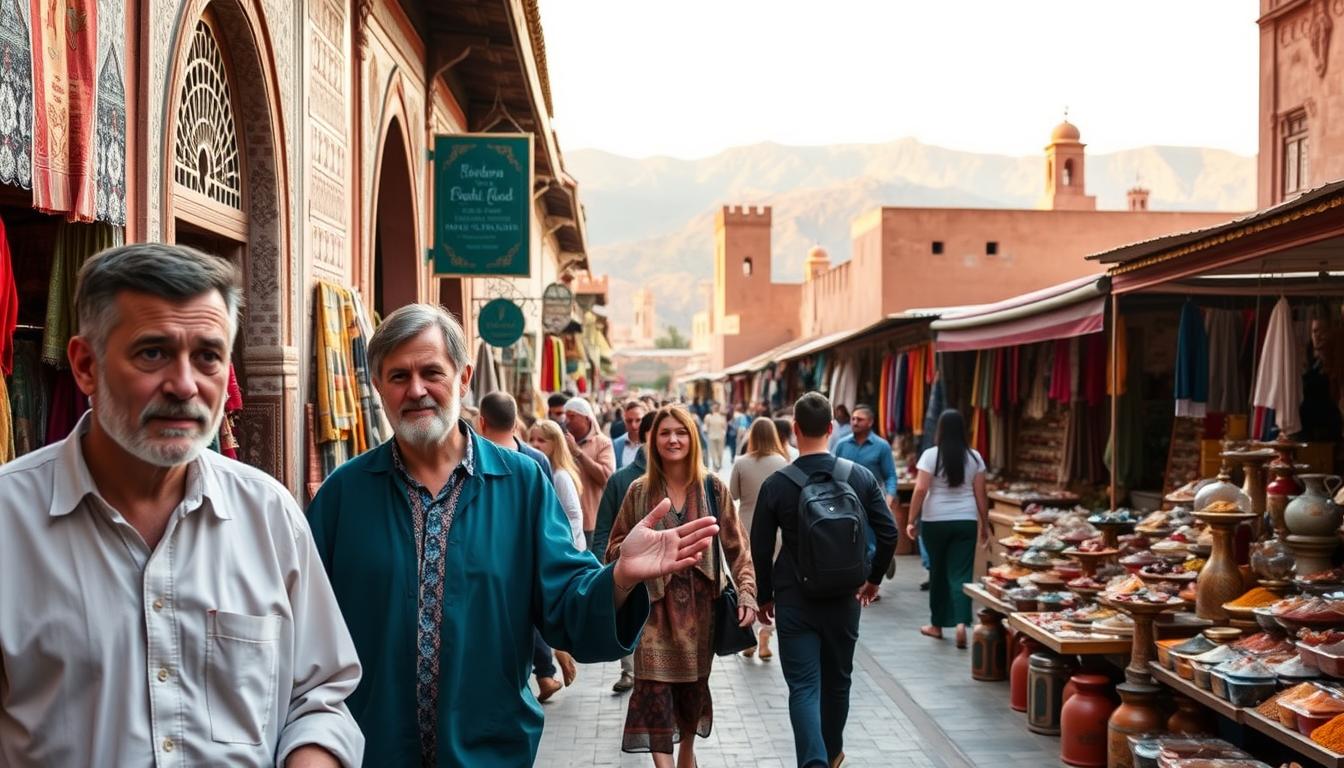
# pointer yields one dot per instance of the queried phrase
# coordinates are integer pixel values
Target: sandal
(961, 638)
(934, 632)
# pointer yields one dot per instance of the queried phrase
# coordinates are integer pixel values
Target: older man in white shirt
(160, 604)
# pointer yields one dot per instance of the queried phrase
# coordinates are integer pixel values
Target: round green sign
(501, 323)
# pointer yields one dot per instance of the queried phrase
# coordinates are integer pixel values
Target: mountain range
(650, 221)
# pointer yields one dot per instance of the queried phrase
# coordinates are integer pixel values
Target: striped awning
(1075, 308)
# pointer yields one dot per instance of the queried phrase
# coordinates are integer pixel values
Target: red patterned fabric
(9, 305)
(64, 105)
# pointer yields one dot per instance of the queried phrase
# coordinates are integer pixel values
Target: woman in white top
(765, 456)
(547, 438)
(950, 510)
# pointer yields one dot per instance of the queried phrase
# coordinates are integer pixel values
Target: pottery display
(1314, 512)
(989, 647)
(1221, 580)
(1272, 560)
(1082, 722)
(1222, 489)
(1191, 718)
(1137, 713)
(1017, 676)
(1047, 674)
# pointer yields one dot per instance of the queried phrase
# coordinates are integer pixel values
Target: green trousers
(951, 547)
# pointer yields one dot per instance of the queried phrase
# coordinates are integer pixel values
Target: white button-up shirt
(221, 646)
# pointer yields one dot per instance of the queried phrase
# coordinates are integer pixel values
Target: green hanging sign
(483, 204)
(501, 323)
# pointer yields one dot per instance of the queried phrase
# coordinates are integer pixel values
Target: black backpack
(832, 540)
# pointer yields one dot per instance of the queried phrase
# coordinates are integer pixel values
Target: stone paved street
(913, 704)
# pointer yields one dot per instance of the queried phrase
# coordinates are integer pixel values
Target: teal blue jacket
(511, 565)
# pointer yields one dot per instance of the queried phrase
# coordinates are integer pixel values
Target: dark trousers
(951, 546)
(543, 662)
(816, 652)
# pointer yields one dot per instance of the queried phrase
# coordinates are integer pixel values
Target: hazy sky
(691, 77)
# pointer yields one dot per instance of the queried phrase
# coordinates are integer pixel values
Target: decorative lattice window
(207, 135)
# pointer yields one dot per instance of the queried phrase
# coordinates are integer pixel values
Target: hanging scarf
(1192, 363)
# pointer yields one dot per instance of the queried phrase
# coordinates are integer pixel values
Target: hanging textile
(233, 405)
(484, 378)
(883, 405)
(1038, 397)
(1129, 422)
(313, 468)
(68, 403)
(107, 151)
(1061, 376)
(28, 397)
(1278, 383)
(64, 45)
(9, 304)
(932, 410)
(1118, 378)
(335, 385)
(1227, 379)
(75, 243)
(1192, 363)
(1094, 363)
(16, 79)
(377, 428)
(6, 425)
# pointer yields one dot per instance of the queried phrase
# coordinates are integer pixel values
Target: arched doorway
(227, 195)
(396, 264)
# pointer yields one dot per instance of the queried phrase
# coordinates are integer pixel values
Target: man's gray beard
(133, 438)
(427, 432)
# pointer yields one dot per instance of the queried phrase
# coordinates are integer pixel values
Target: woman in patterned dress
(670, 702)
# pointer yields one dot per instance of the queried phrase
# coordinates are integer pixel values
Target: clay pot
(1046, 676)
(1136, 714)
(1017, 677)
(1190, 718)
(989, 647)
(1083, 720)
(1314, 513)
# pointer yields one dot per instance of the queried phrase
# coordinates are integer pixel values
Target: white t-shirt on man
(945, 503)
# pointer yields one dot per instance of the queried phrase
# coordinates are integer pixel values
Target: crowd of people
(159, 602)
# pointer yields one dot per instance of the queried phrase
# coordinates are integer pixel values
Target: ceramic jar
(1083, 720)
(1272, 560)
(1190, 718)
(1314, 512)
(1046, 676)
(1017, 677)
(1136, 714)
(989, 647)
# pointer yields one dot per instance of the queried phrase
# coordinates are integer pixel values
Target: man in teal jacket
(441, 589)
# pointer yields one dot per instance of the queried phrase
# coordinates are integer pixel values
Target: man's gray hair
(174, 272)
(410, 321)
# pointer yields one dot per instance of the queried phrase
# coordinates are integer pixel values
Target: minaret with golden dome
(1064, 171)
(817, 263)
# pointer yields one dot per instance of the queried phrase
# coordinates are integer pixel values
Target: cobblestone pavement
(913, 704)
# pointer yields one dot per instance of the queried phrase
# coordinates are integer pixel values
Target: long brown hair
(655, 476)
(557, 450)
(763, 439)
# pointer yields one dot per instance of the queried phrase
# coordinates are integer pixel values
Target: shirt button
(168, 745)
(158, 605)
(163, 675)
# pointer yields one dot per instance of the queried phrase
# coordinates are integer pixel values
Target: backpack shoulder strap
(842, 469)
(795, 474)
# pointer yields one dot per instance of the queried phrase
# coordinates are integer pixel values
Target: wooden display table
(981, 596)
(1016, 502)
(1293, 740)
(1070, 646)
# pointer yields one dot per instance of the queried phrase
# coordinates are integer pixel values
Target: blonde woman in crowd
(547, 438)
(764, 456)
(670, 702)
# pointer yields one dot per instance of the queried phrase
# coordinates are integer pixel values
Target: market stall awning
(917, 325)
(1061, 311)
(1301, 236)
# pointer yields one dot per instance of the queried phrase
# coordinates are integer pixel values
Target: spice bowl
(1330, 659)
(1201, 675)
(1287, 717)
(1265, 619)
(1218, 685)
(1249, 691)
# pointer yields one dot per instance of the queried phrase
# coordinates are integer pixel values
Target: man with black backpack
(823, 507)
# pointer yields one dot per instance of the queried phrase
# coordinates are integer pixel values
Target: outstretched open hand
(647, 553)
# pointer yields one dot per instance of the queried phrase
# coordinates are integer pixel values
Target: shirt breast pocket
(240, 669)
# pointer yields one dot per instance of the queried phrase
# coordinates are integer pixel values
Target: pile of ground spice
(1269, 708)
(1331, 735)
(1256, 598)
